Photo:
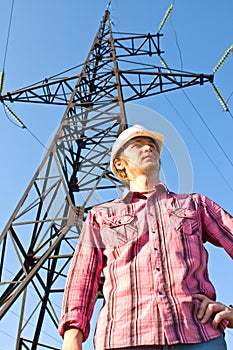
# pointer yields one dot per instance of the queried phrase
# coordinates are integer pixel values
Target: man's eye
(135, 145)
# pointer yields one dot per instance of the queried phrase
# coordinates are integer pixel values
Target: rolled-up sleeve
(82, 280)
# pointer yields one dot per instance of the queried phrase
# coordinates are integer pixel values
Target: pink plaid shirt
(151, 253)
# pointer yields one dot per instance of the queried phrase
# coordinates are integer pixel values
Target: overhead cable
(206, 125)
(8, 33)
(2, 77)
(18, 122)
(200, 144)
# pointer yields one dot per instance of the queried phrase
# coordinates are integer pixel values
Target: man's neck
(144, 184)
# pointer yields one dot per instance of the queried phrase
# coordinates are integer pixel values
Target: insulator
(221, 99)
(2, 78)
(109, 5)
(220, 62)
(164, 20)
(165, 65)
(14, 116)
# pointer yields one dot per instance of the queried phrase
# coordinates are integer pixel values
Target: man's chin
(150, 167)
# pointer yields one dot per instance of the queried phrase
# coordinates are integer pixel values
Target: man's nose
(147, 148)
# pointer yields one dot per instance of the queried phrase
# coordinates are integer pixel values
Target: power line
(8, 33)
(2, 74)
(177, 43)
(203, 121)
(203, 149)
(188, 98)
(18, 122)
(201, 118)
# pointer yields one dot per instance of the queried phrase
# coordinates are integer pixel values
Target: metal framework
(38, 242)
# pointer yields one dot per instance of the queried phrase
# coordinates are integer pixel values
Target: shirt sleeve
(217, 225)
(82, 280)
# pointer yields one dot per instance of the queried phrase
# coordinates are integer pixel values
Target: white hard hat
(129, 134)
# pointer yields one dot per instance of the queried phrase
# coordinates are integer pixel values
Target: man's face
(141, 153)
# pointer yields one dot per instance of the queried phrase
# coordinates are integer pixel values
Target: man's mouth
(148, 156)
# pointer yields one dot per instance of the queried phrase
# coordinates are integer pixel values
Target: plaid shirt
(151, 253)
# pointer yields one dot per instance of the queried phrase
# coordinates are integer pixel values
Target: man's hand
(72, 339)
(210, 307)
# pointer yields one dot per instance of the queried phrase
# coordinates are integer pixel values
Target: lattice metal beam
(138, 84)
(137, 81)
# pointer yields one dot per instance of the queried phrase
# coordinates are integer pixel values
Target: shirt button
(157, 268)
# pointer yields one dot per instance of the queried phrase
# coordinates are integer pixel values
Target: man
(149, 247)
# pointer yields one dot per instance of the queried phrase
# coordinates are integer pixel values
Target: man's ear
(119, 164)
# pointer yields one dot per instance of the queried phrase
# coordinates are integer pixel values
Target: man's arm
(73, 338)
(210, 307)
(217, 225)
(81, 285)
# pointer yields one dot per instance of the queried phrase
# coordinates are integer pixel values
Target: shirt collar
(160, 188)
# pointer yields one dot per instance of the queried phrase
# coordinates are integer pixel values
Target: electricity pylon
(38, 242)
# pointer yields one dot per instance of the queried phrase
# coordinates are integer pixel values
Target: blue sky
(49, 37)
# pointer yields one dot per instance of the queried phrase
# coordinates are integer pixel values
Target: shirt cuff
(77, 320)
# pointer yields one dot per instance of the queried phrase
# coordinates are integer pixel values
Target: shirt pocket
(186, 238)
(118, 230)
(184, 221)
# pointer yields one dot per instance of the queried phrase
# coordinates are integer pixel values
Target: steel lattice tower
(39, 240)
